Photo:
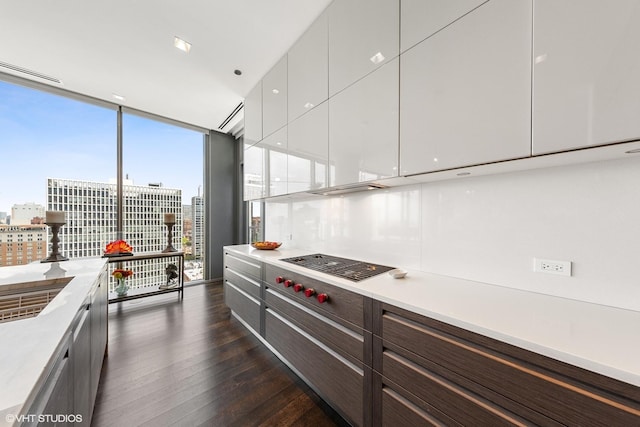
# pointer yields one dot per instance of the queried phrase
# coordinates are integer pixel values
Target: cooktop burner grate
(341, 267)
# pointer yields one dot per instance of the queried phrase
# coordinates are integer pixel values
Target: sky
(48, 136)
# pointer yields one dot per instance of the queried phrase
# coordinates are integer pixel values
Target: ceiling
(125, 47)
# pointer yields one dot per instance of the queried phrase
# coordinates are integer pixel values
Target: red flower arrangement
(119, 247)
(120, 273)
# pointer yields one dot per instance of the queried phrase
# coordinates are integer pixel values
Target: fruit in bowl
(266, 245)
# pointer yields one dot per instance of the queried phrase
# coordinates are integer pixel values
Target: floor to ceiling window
(56, 154)
(60, 154)
(163, 174)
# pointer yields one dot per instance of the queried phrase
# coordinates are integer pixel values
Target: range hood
(350, 188)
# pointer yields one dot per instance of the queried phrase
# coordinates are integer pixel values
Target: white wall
(489, 229)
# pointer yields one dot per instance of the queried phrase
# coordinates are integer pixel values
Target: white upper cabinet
(274, 98)
(275, 152)
(309, 69)
(465, 94)
(253, 115)
(586, 87)
(422, 18)
(308, 149)
(363, 128)
(363, 35)
(254, 173)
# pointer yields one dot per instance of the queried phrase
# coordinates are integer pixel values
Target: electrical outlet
(562, 268)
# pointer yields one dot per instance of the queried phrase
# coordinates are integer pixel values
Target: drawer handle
(322, 298)
(298, 287)
(309, 292)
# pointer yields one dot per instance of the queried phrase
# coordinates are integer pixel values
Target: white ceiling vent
(31, 73)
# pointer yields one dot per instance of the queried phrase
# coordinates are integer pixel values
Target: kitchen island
(478, 322)
(71, 328)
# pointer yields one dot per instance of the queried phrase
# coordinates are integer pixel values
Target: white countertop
(28, 345)
(599, 338)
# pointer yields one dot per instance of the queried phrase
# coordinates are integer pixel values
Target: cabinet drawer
(243, 304)
(505, 374)
(246, 283)
(243, 265)
(399, 411)
(463, 406)
(325, 330)
(334, 378)
(342, 303)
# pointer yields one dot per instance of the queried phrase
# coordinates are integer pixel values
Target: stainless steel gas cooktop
(341, 267)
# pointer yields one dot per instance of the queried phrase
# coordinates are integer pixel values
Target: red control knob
(279, 279)
(309, 292)
(298, 287)
(322, 298)
(288, 283)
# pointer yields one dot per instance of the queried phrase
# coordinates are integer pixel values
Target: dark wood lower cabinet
(244, 305)
(337, 380)
(476, 380)
(380, 365)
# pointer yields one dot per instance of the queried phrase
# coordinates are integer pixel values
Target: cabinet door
(308, 148)
(253, 115)
(363, 129)
(586, 88)
(274, 98)
(308, 71)
(81, 362)
(420, 19)
(254, 172)
(98, 318)
(275, 152)
(363, 35)
(465, 94)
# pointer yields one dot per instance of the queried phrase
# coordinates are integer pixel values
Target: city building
(22, 214)
(197, 232)
(91, 221)
(3, 217)
(187, 228)
(22, 244)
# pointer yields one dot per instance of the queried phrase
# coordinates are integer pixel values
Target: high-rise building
(91, 221)
(3, 217)
(22, 244)
(197, 227)
(187, 222)
(22, 214)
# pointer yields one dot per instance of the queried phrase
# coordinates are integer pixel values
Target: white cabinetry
(465, 93)
(308, 70)
(274, 98)
(275, 151)
(363, 128)
(586, 87)
(253, 115)
(363, 35)
(308, 148)
(254, 172)
(422, 18)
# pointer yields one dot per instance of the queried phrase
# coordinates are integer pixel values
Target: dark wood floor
(188, 363)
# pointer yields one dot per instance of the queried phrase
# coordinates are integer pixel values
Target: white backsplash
(489, 229)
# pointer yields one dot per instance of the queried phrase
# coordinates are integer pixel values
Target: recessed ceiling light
(181, 44)
(275, 91)
(377, 58)
(308, 105)
(118, 97)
